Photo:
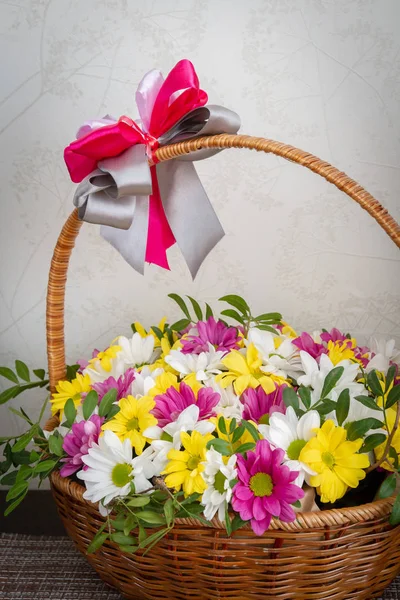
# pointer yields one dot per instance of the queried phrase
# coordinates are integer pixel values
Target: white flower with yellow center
(385, 353)
(203, 365)
(138, 350)
(145, 379)
(279, 356)
(218, 474)
(111, 470)
(229, 405)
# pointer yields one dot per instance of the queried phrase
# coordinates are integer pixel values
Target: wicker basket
(350, 553)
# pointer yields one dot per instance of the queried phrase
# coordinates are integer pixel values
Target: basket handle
(66, 240)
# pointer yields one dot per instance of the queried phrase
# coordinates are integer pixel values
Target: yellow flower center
(295, 448)
(338, 351)
(193, 463)
(133, 424)
(328, 459)
(121, 474)
(261, 485)
(219, 482)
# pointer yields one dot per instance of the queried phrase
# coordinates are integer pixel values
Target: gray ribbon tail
(190, 214)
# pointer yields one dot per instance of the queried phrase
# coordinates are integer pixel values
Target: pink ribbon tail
(159, 234)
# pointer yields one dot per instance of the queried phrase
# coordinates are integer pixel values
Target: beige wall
(322, 75)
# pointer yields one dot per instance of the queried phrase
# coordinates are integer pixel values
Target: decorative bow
(143, 210)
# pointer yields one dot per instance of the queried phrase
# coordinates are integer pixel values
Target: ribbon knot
(143, 210)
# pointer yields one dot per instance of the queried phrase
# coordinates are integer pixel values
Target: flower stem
(389, 440)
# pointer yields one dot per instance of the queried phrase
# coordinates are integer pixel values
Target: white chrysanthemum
(111, 470)
(98, 374)
(144, 381)
(315, 374)
(203, 365)
(218, 477)
(138, 350)
(169, 437)
(279, 356)
(291, 434)
(229, 405)
(385, 353)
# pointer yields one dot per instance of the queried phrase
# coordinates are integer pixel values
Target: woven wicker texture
(330, 555)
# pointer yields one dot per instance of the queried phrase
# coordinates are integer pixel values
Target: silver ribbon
(116, 194)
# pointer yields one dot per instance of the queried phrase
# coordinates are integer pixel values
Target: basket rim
(332, 517)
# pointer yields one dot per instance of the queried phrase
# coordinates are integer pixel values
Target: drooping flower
(138, 351)
(265, 488)
(168, 406)
(291, 434)
(229, 404)
(244, 371)
(218, 474)
(278, 354)
(134, 417)
(111, 470)
(202, 366)
(122, 385)
(258, 406)
(335, 460)
(220, 336)
(77, 443)
(70, 389)
(185, 467)
(308, 344)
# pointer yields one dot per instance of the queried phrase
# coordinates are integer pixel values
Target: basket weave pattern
(339, 554)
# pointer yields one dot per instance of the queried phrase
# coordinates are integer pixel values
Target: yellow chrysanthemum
(105, 357)
(185, 466)
(132, 419)
(70, 389)
(340, 350)
(335, 460)
(245, 438)
(389, 462)
(244, 371)
(288, 330)
(381, 400)
(162, 383)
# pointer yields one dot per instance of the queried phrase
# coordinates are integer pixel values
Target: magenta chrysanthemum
(77, 443)
(170, 405)
(122, 385)
(212, 332)
(306, 343)
(259, 406)
(335, 335)
(265, 488)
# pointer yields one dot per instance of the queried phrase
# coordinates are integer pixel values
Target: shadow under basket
(338, 554)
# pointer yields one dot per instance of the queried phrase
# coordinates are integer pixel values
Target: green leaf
(114, 410)
(69, 412)
(305, 395)
(21, 414)
(272, 317)
(71, 372)
(9, 479)
(395, 516)
(157, 331)
(96, 542)
(290, 398)
(237, 434)
(107, 401)
(222, 425)
(9, 393)
(388, 487)
(196, 308)
(89, 404)
(128, 549)
(237, 523)
(372, 441)
(237, 302)
(368, 401)
(266, 328)
(130, 523)
(326, 407)
(153, 538)
(220, 446)
(245, 447)
(21, 458)
(46, 465)
(22, 370)
(342, 406)
(232, 314)
(374, 384)
(232, 425)
(151, 517)
(180, 325)
(8, 374)
(182, 305)
(118, 522)
(228, 524)
(169, 511)
(24, 440)
(251, 429)
(40, 373)
(393, 455)
(56, 444)
(390, 377)
(359, 428)
(297, 504)
(331, 380)
(16, 490)
(393, 396)
(24, 472)
(14, 504)
(138, 501)
(209, 312)
(121, 538)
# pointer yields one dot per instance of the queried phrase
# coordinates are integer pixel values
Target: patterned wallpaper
(323, 75)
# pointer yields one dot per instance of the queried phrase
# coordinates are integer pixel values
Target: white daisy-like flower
(291, 434)
(111, 470)
(280, 357)
(144, 381)
(229, 405)
(315, 374)
(98, 374)
(218, 476)
(203, 365)
(169, 437)
(385, 353)
(138, 350)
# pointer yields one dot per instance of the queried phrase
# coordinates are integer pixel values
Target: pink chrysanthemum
(212, 332)
(77, 443)
(170, 405)
(334, 335)
(259, 406)
(122, 385)
(306, 343)
(265, 488)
